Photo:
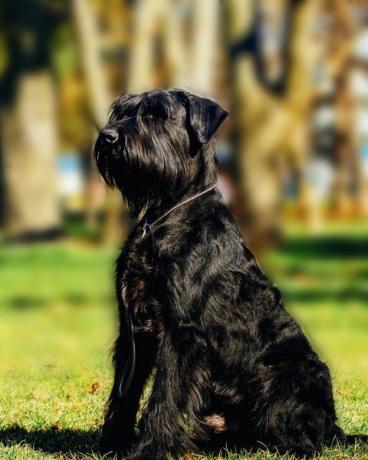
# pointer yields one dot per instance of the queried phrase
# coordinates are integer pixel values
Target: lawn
(57, 321)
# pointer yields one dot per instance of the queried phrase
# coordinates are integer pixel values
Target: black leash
(129, 367)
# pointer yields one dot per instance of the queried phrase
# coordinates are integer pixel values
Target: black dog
(195, 305)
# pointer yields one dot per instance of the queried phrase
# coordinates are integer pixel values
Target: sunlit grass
(57, 321)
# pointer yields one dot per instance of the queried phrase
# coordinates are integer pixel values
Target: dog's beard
(148, 164)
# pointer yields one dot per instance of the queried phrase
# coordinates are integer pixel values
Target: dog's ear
(204, 116)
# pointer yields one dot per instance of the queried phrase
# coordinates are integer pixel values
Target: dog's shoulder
(191, 230)
(205, 234)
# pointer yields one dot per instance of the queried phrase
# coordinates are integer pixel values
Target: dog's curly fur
(231, 364)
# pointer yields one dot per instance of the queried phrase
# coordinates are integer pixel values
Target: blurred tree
(204, 46)
(85, 19)
(158, 56)
(283, 54)
(339, 45)
(87, 33)
(257, 120)
(29, 118)
(322, 51)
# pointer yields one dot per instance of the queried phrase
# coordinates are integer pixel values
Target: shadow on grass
(52, 441)
(74, 299)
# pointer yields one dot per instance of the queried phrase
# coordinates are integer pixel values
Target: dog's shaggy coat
(231, 365)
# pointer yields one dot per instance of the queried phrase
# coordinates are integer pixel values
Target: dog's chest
(140, 289)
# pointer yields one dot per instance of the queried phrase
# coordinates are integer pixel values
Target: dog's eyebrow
(125, 118)
(117, 122)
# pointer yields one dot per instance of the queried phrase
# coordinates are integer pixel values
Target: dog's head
(155, 145)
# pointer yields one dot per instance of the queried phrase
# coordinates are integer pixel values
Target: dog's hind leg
(294, 409)
(118, 430)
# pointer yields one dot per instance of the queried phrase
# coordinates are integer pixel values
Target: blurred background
(293, 159)
(294, 75)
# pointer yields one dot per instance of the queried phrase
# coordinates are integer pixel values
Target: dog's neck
(204, 177)
(163, 209)
(148, 226)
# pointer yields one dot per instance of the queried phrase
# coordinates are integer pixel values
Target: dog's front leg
(161, 427)
(118, 430)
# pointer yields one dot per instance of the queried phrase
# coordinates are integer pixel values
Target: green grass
(57, 321)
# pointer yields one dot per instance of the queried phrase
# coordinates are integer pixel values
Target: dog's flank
(231, 365)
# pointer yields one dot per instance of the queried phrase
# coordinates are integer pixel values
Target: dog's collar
(148, 227)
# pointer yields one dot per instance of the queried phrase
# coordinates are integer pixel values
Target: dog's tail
(355, 438)
(349, 439)
(129, 366)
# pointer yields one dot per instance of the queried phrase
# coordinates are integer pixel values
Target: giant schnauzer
(197, 313)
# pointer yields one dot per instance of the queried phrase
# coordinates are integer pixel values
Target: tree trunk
(116, 221)
(254, 112)
(86, 26)
(204, 46)
(29, 152)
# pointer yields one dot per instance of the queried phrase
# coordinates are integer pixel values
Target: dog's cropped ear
(204, 116)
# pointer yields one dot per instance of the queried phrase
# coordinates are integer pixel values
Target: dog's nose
(110, 135)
